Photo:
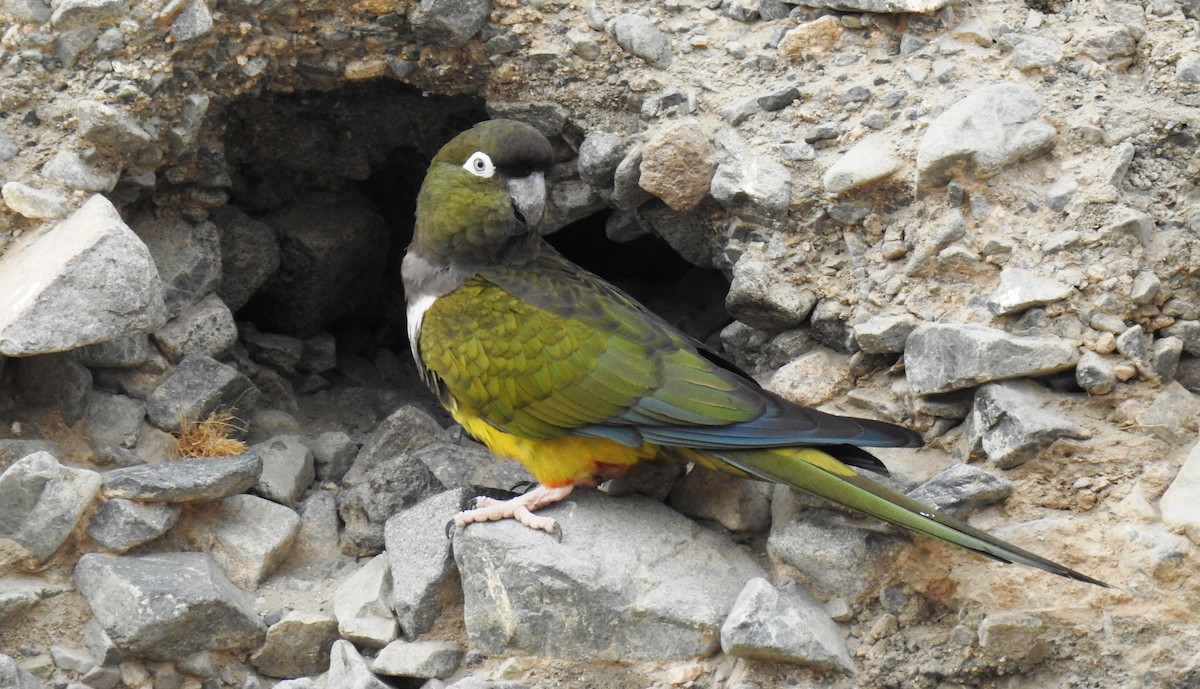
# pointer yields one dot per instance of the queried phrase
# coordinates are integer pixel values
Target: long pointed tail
(816, 472)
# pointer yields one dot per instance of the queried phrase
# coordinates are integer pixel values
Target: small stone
(1187, 70)
(1180, 510)
(584, 44)
(1165, 355)
(1037, 52)
(1146, 288)
(57, 381)
(204, 328)
(423, 659)
(758, 298)
(1021, 289)
(884, 334)
(599, 155)
(249, 537)
(296, 645)
(249, 252)
(1060, 193)
(962, 489)
(77, 14)
(32, 202)
(420, 558)
(121, 525)
(1134, 345)
(639, 36)
(199, 386)
(1015, 636)
(288, 469)
(738, 504)
(812, 379)
(870, 160)
(1173, 415)
(943, 357)
(334, 453)
(41, 501)
(677, 165)
(449, 22)
(1129, 222)
(1109, 43)
(348, 669)
(779, 99)
(119, 352)
(787, 625)
(1095, 374)
(754, 188)
(739, 111)
(109, 129)
(361, 605)
(71, 169)
(813, 39)
(1010, 423)
(198, 478)
(1187, 331)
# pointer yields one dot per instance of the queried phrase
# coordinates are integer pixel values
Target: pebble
(1022, 289)
(783, 624)
(639, 36)
(1011, 423)
(944, 357)
(868, 161)
(678, 164)
(32, 202)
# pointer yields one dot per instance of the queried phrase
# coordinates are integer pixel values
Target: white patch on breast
(415, 313)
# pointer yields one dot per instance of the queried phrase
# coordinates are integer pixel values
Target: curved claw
(450, 528)
(556, 531)
(522, 487)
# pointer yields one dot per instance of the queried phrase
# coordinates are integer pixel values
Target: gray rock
(32, 202)
(868, 161)
(421, 561)
(71, 169)
(661, 589)
(1188, 333)
(406, 430)
(884, 334)
(738, 504)
(316, 545)
(55, 380)
(1037, 52)
(109, 129)
(115, 419)
(297, 645)
(1164, 356)
(599, 155)
(784, 625)
(830, 322)
(11, 675)
(392, 485)
(119, 352)
(1014, 636)
(71, 659)
(188, 258)
(361, 604)
(881, 6)
(205, 327)
(18, 595)
(584, 44)
(87, 280)
(942, 357)
(334, 452)
(1021, 289)
(755, 188)
(288, 469)
(348, 670)
(696, 235)
(837, 554)
(199, 386)
(423, 659)
(993, 127)
(546, 116)
(449, 22)
(319, 354)
(1010, 423)
(759, 298)
(1134, 345)
(121, 525)
(281, 352)
(249, 255)
(469, 465)
(167, 606)
(76, 14)
(192, 22)
(1187, 70)
(740, 110)
(41, 501)
(1060, 193)
(627, 195)
(331, 265)
(639, 36)
(1109, 43)
(12, 449)
(1178, 505)
(962, 489)
(1095, 374)
(779, 98)
(204, 479)
(1172, 416)
(249, 537)
(1145, 288)
(100, 645)
(1128, 222)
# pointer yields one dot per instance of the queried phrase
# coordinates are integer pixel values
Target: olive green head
(484, 192)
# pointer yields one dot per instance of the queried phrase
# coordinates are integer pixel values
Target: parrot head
(483, 196)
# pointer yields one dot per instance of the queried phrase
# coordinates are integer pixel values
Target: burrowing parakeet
(550, 365)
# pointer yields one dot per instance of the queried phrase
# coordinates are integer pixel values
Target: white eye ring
(480, 165)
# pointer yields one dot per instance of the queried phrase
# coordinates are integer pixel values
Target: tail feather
(816, 472)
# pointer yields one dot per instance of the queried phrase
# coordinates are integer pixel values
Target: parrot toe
(520, 508)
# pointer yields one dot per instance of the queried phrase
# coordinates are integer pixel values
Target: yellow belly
(556, 461)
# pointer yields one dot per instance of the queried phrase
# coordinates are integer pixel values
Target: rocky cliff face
(979, 220)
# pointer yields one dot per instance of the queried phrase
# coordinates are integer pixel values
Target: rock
(406, 430)
(249, 537)
(1128, 223)
(830, 322)
(18, 595)
(470, 465)
(962, 489)
(993, 127)
(32, 202)
(199, 386)
(249, 255)
(449, 22)
(422, 659)
(584, 44)
(319, 354)
(869, 160)
(599, 155)
(1112, 44)
(1180, 511)
(661, 589)
(1133, 345)
(627, 195)
(334, 453)
(754, 188)
(677, 165)
(1165, 355)
(420, 557)
(1010, 424)
(193, 21)
(12, 675)
(940, 357)
(101, 646)
(811, 39)
(1022, 289)
(884, 334)
(71, 169)
(12, 449)
(639, 36)
(361, 605)
(167, 606)
(1015, 636)
(323, 275)
(778, 99)
(87, 280)
(738, 504)
(109, 129)
(1187, 70)
(78, 14)
(41, 501)
(882, 6)
(188, 258)
(813, 378)
(121, 525)
(348, 670)
(1037, 52)
(758, 298)
(1172, 416)
(58, 381)
(205, 327)
(784, 625)
(1095, 374)
(204, 479)
(120, 352)
(388, 487)
(288, 469)
(297, 645)
(281, 352)
(1188, 332)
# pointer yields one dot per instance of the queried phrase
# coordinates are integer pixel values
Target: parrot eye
(480, 165)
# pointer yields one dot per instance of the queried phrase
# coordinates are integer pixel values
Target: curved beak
(528, 195)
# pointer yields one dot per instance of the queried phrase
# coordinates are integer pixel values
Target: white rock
(1179, 506)
(361, 605)
(868, 161)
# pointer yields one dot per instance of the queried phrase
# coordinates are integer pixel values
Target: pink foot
(520, 508)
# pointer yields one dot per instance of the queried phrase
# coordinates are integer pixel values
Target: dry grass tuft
(209, 437)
